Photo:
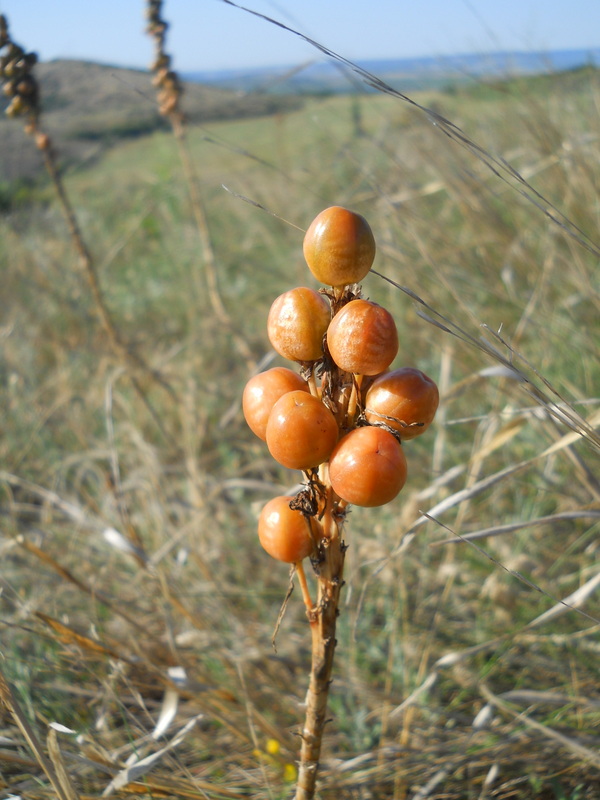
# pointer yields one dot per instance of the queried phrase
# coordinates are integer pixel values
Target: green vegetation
(92, 621)
(88, 107)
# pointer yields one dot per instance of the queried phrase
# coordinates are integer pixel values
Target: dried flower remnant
(166, 80)
(20, 85)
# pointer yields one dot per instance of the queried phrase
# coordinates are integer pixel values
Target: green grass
(82, 453)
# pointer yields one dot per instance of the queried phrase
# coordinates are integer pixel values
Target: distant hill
(403, 73)
(88, 106)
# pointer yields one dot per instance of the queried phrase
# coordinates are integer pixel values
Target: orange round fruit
(301, 431)
(297, 322)
(362, 338)
(339, 247)
(285, 533)
(262, 392)
(367, 467)
(405, 399)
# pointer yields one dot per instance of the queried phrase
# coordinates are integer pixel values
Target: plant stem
(323, 620)
(312, 383)
(353, 402)
(304, 587)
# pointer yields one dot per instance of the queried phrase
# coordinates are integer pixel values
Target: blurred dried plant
(20, 84)
(169, 95)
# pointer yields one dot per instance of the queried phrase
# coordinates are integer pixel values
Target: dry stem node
(165, 79)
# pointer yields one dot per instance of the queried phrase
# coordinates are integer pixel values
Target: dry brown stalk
(323, 618)
(59, 780)
(338, 388)
(169, 93)
(20, 84)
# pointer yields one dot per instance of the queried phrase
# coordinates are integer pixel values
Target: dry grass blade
(414, 696)
(68, 636)
(283, 608)
(457, 498)
(433, 782)
(532, 697)
(196, 790)
(68, 576)
(499, 530)
(573, 746)
(563, 412)
(8, 700)
(134, 772)
(72, 511)
(256, 204)
(167, 714)
(62, 775)
(574, 601)
(485, 483)
(561, 606)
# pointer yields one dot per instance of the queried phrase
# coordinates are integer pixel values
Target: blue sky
(208, 34)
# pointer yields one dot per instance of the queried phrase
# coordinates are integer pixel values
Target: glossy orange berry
(297, 322)
(301, 431)
(367, 467)
(405, 399)
(285, 533)
(362, 338)
(262, 392)
(339, 247)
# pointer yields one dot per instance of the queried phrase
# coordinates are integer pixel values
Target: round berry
(367, 467)
(362, 338)
(339, 247)
(301, 431)
(283, 532)
(297, 323)
(262, 392)
(405, 399)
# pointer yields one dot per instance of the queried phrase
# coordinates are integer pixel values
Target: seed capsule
(301, 431)
(367, 467)
(297, 323)
(284, 533)
(262, 392)
(339, 247)
(405, 399)
(362, 338)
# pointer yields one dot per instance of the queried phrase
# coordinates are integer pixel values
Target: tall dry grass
(137, 610)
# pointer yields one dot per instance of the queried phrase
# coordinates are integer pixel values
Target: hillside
(87, 106)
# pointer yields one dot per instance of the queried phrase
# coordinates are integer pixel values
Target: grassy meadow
(137, 606)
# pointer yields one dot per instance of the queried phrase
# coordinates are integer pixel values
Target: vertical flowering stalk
(20, 85)
(169, 94)
(341, 421)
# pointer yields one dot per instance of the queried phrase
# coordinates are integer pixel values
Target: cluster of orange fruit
(343, 418)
